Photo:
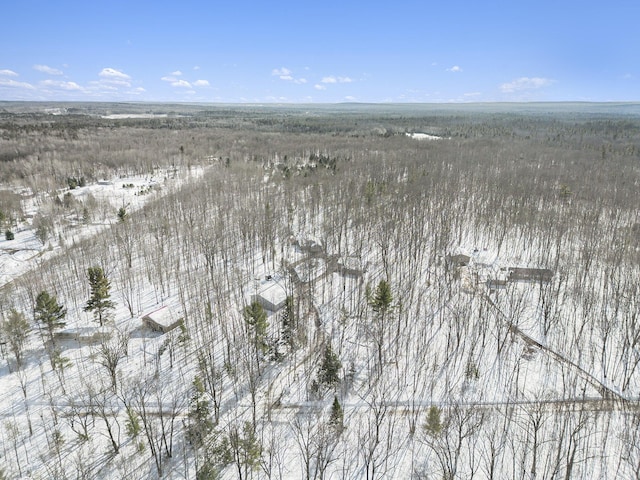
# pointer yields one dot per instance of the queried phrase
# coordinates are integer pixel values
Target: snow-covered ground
(25, 251)
(449, 341)
(423, 136)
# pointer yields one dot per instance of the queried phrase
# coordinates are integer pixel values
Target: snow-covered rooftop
(271, 294)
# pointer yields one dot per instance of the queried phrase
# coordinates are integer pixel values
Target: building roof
(272, 293)
(163, 317)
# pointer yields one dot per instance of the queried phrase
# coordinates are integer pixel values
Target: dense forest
(320, 292)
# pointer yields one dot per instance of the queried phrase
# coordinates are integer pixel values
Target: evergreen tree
(380, 303)
(336, 418)
(99, 302)
(200, 423)
(433, 425)
(329, 374)
(382, 298)
(245, 449)
(122, 214)
(256, 318)
(132, 423)
(49, 313)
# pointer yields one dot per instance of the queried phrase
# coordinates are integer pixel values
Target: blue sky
(321, 52)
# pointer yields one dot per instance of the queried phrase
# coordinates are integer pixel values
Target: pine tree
(433, 425)
(380, 302)
(49, 313)
(336, 418)
(122, 214)
(200, 423)
(382, 298)
(132, 423)
(329, 374)
(256, 318)
(99, 302)
(245, 449)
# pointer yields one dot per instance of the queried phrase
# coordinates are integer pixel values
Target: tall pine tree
(382, 298)
(49, 313)
(329, 374)
(336, 417)
(100, 300)
(256, 319)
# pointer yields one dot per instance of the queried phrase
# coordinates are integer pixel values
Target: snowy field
(26, 250)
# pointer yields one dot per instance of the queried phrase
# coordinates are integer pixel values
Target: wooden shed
(270, 294)
(162, 320)
(458, 260)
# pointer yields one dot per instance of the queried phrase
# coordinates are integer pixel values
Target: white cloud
(525, 83)
(7, 82)
(112, 73)
(8, 73)
(286, 75)
(113, 77)
(201, 83)
(454, 69)
(317, 86)
(177, 73)
(181, 83)
(349, 98)
(169, 79)
(472, 94)
(197, 67)
(70, 86)
(48, 70)
(332, 79)
(281, 72)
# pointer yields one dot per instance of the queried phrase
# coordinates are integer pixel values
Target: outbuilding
(270, 294)
(162, 320)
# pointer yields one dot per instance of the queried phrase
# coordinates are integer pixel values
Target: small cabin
(162, 320)
(270, 294)
(459, 260)
(540, 275)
